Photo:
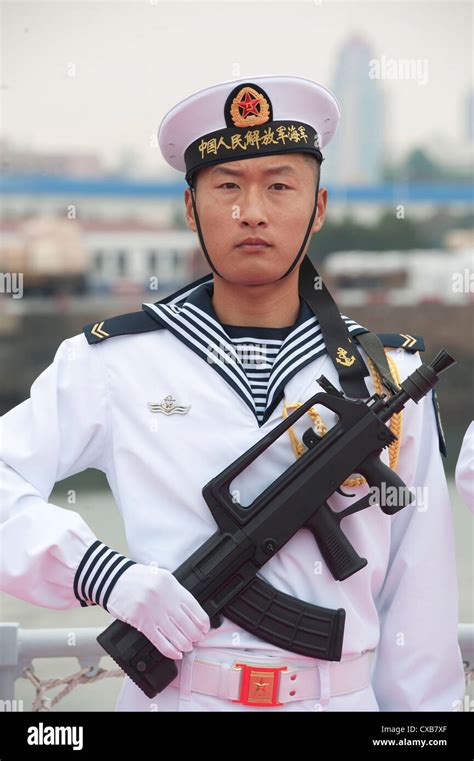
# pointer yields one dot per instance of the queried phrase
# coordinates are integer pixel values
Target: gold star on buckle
(259, 685)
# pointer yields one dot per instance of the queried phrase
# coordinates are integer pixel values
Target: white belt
(272, 684)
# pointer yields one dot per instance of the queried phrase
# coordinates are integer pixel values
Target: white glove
(153, 601)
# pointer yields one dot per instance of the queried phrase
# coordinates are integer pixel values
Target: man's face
(269, 197)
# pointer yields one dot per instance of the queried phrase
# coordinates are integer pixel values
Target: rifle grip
(337, 551)
(388, 484)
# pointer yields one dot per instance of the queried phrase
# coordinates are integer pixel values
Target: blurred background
(92, 218)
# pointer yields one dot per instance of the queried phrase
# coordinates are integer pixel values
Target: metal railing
(18, 648)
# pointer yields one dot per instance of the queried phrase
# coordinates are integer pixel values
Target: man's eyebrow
(238, 172)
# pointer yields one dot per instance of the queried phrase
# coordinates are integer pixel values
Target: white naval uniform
(465, 468)
(89, 408)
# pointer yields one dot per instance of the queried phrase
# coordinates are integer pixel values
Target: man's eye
(281, 185)
(224, 184)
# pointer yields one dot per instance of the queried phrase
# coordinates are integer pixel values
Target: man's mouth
(253, 244)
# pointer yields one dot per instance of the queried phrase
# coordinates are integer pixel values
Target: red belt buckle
(259, 685)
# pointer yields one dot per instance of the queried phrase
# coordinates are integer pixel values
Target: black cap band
(234, 143)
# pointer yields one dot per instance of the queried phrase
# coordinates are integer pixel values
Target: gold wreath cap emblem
(249, 108)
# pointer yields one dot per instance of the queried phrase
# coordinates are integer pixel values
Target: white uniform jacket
(465, 468)
(90, 408)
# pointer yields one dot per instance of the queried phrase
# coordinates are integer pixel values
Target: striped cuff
(97, 574)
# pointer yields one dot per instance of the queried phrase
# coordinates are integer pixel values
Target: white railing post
(8, 660)
(18, 647)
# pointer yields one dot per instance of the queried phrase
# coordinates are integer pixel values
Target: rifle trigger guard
(339, 491)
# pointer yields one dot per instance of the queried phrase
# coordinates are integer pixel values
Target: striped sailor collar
(190, 316)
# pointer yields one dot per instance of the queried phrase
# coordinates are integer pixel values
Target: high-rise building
(356, 152)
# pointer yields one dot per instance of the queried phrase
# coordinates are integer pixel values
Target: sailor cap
(248, 117)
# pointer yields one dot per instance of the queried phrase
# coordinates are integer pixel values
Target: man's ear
(190, 221)
(321, 212)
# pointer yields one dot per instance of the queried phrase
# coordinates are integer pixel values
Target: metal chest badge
(168, 406)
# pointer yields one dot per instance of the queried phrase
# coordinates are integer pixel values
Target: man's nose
(252, 208)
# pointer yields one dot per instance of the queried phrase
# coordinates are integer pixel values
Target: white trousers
(178, 696)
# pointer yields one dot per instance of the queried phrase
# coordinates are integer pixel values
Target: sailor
(163, 399)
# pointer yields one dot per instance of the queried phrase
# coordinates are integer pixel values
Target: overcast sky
(131, 61)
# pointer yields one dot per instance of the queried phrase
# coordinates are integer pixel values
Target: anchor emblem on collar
(343, 359)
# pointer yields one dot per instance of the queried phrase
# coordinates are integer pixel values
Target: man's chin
(252, 278)
(248, 271)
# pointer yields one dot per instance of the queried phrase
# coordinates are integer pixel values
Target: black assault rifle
(222, 573)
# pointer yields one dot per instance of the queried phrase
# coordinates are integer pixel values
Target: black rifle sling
(339, 344)
(373, 347)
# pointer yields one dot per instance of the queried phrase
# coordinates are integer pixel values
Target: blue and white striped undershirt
(258, 349)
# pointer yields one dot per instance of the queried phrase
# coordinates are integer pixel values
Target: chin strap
(308, 231)
(199, 231)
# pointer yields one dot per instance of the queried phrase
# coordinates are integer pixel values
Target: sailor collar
(190, 316)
